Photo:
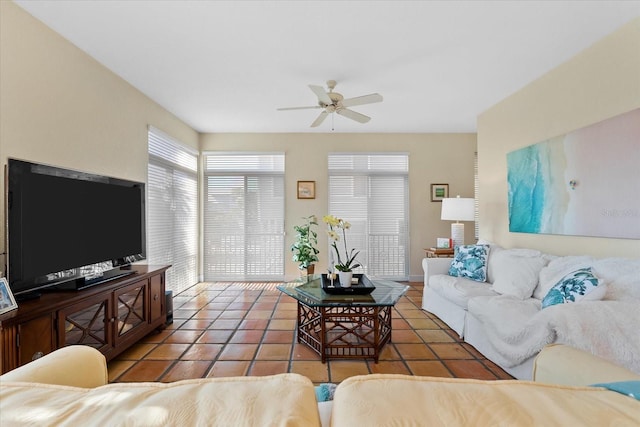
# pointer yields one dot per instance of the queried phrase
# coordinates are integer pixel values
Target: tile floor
(230, 329)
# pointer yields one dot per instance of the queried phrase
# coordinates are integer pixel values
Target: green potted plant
(304, 248)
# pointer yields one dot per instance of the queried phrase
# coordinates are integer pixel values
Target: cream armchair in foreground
(69, 388)
(75, 366)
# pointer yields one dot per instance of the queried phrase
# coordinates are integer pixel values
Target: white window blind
(476, 187)
(244, 216)
(172, 203)
(371, 191)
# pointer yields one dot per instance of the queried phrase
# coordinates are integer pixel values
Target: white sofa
(503, 319)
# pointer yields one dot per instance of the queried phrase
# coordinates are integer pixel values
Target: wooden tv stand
(109, 317)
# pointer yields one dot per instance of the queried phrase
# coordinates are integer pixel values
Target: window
(172, 209)
(371, 191)
(244, 216)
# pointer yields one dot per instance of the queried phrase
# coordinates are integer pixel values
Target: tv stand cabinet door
(35, 339)
(22, 342)
(131, 305)
(157, 303)
(87, 323)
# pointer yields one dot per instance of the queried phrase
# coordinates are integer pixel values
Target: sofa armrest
(433, 266)
(564, 365)
(76, 366)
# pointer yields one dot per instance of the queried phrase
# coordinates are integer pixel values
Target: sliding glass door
(244, 216)
(371, 191)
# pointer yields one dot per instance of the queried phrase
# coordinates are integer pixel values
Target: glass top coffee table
(344, 326)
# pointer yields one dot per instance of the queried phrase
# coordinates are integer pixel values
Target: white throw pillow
(493, 249)
(515, 272)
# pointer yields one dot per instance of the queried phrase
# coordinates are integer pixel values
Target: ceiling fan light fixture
(334, 102)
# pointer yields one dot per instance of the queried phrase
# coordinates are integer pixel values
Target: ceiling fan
(333, 102)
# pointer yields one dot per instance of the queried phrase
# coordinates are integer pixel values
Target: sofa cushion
(402, 400)
(556, 270)
(575, 286)
(506, 321)
(278, 400)
(470, 261)
(515, 271)
(458, 289)
(583, 368)
(493, 250)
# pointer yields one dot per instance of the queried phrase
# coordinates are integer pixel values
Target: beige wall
(59, 106)
(601, 82)
(433, 158)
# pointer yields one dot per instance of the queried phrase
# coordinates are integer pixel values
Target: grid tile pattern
(237, 329)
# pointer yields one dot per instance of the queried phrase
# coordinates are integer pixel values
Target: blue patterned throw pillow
(325, 392)
(470, 261)
(573, 287)
(628, 388)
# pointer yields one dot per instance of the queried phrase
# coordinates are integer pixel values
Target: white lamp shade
(458, 209)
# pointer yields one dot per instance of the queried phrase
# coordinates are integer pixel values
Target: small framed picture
(439, 192)
(306, 189)
(7, 302)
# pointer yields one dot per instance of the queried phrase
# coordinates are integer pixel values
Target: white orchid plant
(335, 224)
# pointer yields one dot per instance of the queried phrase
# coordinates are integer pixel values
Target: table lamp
(457, 209)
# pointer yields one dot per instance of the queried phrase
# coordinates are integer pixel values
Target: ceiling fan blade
(360, 100)
(350, 114)
(299, 108)
(320, 119)
(321, 94)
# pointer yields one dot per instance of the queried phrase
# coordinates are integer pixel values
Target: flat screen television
(70, 229)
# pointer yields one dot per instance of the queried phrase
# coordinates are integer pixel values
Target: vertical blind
(172, 209)
(476, 189)
(371, 191)
(244, 216)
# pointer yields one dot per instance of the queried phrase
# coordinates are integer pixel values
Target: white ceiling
(225, 66)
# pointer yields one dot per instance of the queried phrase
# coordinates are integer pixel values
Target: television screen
(61, 220)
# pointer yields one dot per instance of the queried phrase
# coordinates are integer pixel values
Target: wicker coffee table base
(349, 332)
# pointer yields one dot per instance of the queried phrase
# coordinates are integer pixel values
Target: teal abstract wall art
(583, 183)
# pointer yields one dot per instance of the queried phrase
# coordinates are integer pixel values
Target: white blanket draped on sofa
(519, 329)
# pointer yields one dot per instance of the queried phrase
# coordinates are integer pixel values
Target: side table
(439, 253)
